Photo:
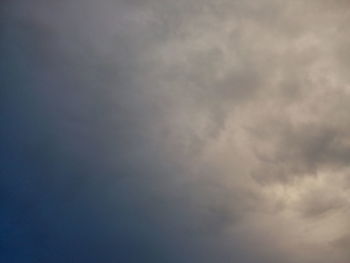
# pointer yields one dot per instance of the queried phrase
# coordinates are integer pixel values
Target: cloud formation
(163, 131)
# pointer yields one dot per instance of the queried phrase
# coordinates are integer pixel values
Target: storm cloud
(174, 131)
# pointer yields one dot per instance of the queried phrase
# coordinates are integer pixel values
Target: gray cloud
(175, 132)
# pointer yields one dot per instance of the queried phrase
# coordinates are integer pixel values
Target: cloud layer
(163, 131)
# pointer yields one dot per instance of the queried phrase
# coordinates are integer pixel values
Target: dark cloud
(155, 131)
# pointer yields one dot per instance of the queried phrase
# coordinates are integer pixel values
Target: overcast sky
(174, 131)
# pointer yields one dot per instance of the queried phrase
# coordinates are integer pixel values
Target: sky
(174, 131)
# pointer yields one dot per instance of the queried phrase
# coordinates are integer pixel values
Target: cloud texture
(175, 131)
